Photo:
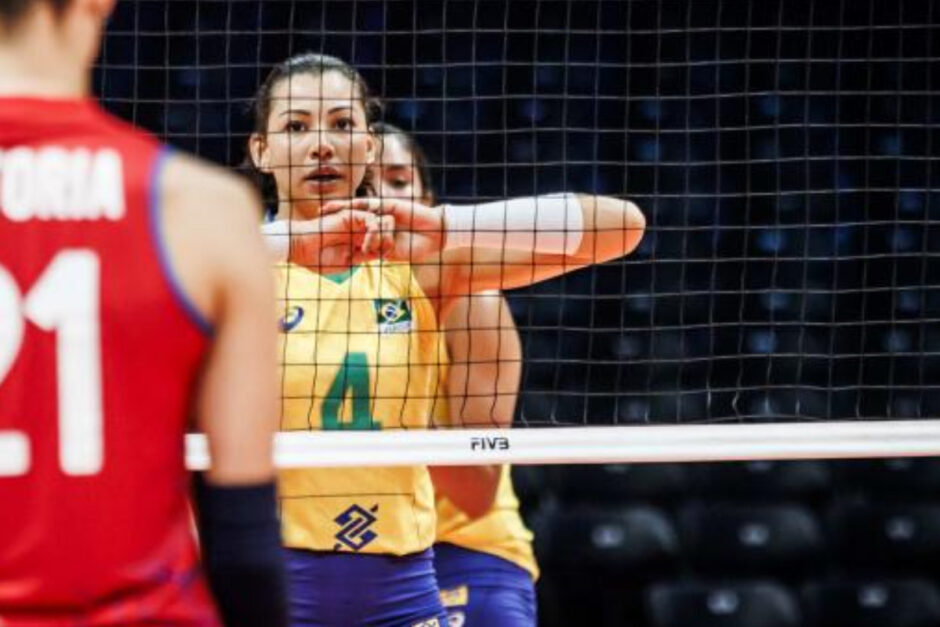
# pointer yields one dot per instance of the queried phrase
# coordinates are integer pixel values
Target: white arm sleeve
(277, 239)
(551, 224)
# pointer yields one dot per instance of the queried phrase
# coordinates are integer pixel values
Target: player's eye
(399, 183)
(295, 126)
(344, 123)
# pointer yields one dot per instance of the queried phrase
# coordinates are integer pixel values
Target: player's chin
(324, 191)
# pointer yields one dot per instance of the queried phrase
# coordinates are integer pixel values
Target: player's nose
(320, 148)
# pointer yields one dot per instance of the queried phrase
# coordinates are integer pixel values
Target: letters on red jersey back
(55, 183)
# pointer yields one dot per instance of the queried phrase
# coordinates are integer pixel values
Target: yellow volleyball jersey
(500, 531)
(361, 350)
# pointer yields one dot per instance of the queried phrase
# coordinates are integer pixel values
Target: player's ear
(371, 149)
(258, 150)
(107, 5)
(101, 8)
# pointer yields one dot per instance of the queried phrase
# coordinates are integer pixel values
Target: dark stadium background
(784, 154)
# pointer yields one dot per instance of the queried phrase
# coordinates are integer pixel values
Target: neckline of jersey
(47, 108)
(50, 102)
(340, 277)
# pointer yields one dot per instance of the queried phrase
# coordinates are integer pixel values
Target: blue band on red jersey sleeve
(156, 230)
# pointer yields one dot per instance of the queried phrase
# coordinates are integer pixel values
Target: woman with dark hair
(280, 154)
(483, 551)
(358, 539)
(361, 343)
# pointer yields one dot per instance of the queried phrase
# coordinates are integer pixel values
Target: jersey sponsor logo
(486, 443)
(55, 183)
(428, 623)
(355, 532)
(393, 316)
(292, 319)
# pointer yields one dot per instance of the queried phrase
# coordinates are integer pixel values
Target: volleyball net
(783, 300)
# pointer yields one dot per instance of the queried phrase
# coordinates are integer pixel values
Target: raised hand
(418, 229)
(336, 240)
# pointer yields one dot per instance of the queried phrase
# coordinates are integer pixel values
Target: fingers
(343, 226)
(331, 207)
(373, 235)
(379, 228)
(370, 204)
(380, 235)
(409, 215)
(387, 225)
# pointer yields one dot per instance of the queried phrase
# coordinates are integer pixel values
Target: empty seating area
(757, 544)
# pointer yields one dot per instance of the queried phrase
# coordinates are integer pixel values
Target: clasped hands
(357, 230)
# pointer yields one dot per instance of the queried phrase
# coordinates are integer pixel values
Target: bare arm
(612, 228)
(489, 256)
(482, 387)
(486, 361)
(330, 243)
(210, 228)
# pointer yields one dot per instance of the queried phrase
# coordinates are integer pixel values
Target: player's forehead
(395, 153)
(314, 94)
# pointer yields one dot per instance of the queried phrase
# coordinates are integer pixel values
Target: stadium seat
(627, 541)
(747, 604)
(900, 477)
(898, 603)
(617, 483)
(896, 537)
(775, 540)
(761, 480)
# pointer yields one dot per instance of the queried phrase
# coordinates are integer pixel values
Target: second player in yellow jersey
(500, 531)
(483, 552)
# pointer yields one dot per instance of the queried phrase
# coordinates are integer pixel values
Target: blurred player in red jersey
(134, 293)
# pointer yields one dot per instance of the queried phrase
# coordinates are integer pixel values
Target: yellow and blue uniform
(486, 568)
(500, 532)
(361, 350)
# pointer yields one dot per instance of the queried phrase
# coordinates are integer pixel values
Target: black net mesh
(782, 151)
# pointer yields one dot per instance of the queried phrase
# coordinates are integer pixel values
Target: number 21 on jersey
(64, 300)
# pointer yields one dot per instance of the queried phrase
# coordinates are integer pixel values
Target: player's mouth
(323, 176)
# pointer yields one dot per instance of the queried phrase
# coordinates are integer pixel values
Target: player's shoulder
(209, 219)
(215, 213)
(189, 183)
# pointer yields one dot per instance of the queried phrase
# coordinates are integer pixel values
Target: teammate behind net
(133, 291)
(483, 553)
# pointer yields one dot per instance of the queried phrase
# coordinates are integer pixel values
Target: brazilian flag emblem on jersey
(393, 316)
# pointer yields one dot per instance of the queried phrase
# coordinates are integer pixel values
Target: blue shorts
(348, 590)
(482, 590)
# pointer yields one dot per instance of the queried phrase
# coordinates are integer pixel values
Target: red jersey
(99, 353)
